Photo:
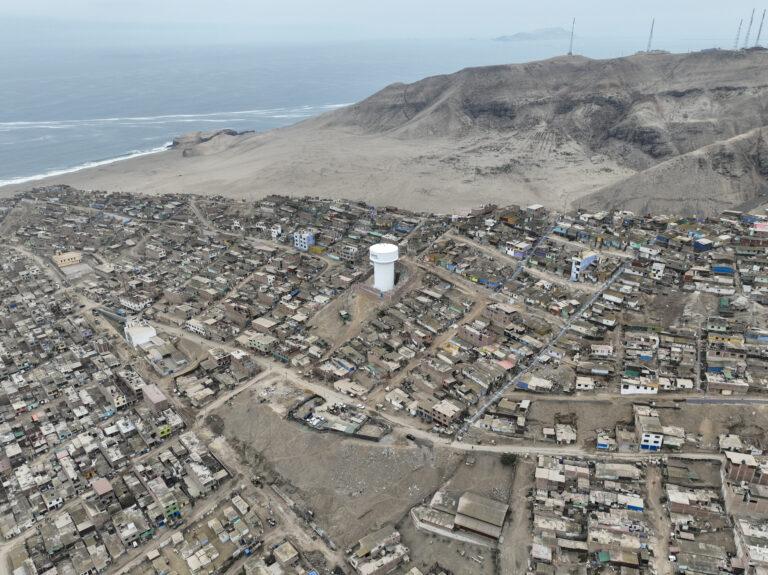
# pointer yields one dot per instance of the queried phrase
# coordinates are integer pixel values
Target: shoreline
(85, 166)
(293, 113)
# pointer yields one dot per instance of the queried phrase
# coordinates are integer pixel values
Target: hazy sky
(211, 21)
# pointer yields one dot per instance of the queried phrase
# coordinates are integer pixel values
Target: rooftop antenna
(760, 29)
(650, 36)
(570, 47)
(749, 28)
(738, 35)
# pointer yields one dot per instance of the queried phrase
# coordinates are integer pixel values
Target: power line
(760, 29)
(738, 35)
(749, 29)
(650, 36)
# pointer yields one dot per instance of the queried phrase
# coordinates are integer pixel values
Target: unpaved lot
(352, 486)
(590, 416)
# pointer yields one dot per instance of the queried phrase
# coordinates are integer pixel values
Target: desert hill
(731, 172)
(672, 132)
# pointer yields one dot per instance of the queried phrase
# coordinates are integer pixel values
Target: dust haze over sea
(66, 108)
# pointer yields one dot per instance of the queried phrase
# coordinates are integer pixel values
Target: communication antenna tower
(650, 36)
(749, 29)
(760, 29)
(738, 35)
(570, 46)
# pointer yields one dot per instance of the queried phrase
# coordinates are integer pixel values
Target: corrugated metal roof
(482, 508)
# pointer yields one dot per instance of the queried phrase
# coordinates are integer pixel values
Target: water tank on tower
(383, 258)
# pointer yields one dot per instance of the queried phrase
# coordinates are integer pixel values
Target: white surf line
(289, 111)
(84, 166)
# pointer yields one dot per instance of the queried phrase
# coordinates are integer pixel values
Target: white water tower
(383, 258)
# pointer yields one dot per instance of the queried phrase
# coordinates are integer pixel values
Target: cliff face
(663, 132)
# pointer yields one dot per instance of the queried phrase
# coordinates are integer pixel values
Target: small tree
(508, 459)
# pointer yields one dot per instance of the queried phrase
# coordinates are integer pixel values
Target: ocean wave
(289, 116)
(211, 117)
(185, 121)
(84, 166)
(11, 127)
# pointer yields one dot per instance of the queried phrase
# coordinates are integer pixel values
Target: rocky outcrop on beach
(192, 144)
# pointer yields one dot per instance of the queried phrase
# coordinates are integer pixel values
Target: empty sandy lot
(352, 486)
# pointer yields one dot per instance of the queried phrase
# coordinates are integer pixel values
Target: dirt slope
(728, 174)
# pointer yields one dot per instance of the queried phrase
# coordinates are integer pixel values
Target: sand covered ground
(352, 486)
(679, 133)
(422, 175)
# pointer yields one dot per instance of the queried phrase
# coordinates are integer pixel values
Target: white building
(155, 252)
(639, 386)
(196, 326)
(651, 441)
(138, 333)
(601, 350)
(135, 304)
(261, 342)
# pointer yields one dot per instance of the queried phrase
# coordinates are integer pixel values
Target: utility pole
(570, 47)
(749, 29)
(760, 29)
(738, 35)
(650, 36)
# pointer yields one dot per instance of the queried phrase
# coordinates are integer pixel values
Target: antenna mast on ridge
(650, 36)
(738, 35)
(760, 29)
(749, 29)
(570, 47)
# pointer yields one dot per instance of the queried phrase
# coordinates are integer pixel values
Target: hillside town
(201, 385)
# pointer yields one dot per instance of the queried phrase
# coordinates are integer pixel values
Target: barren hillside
(674, 132)
(728, 173)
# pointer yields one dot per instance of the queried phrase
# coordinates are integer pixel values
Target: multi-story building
(349, 253)
(303, 239)
(67, 259)
(135, 303)
(197, 327)
(115, 397)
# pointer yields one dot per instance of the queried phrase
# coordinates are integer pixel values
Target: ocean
(66, 108)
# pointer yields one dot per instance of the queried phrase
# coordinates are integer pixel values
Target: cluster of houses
(627, 340)
(399, 334)
(519, 299)
(701, 537)
(587, 513)
(71, 411)
(113, 508)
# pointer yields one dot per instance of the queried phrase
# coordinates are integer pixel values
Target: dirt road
(517, 533)
(659, 520)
